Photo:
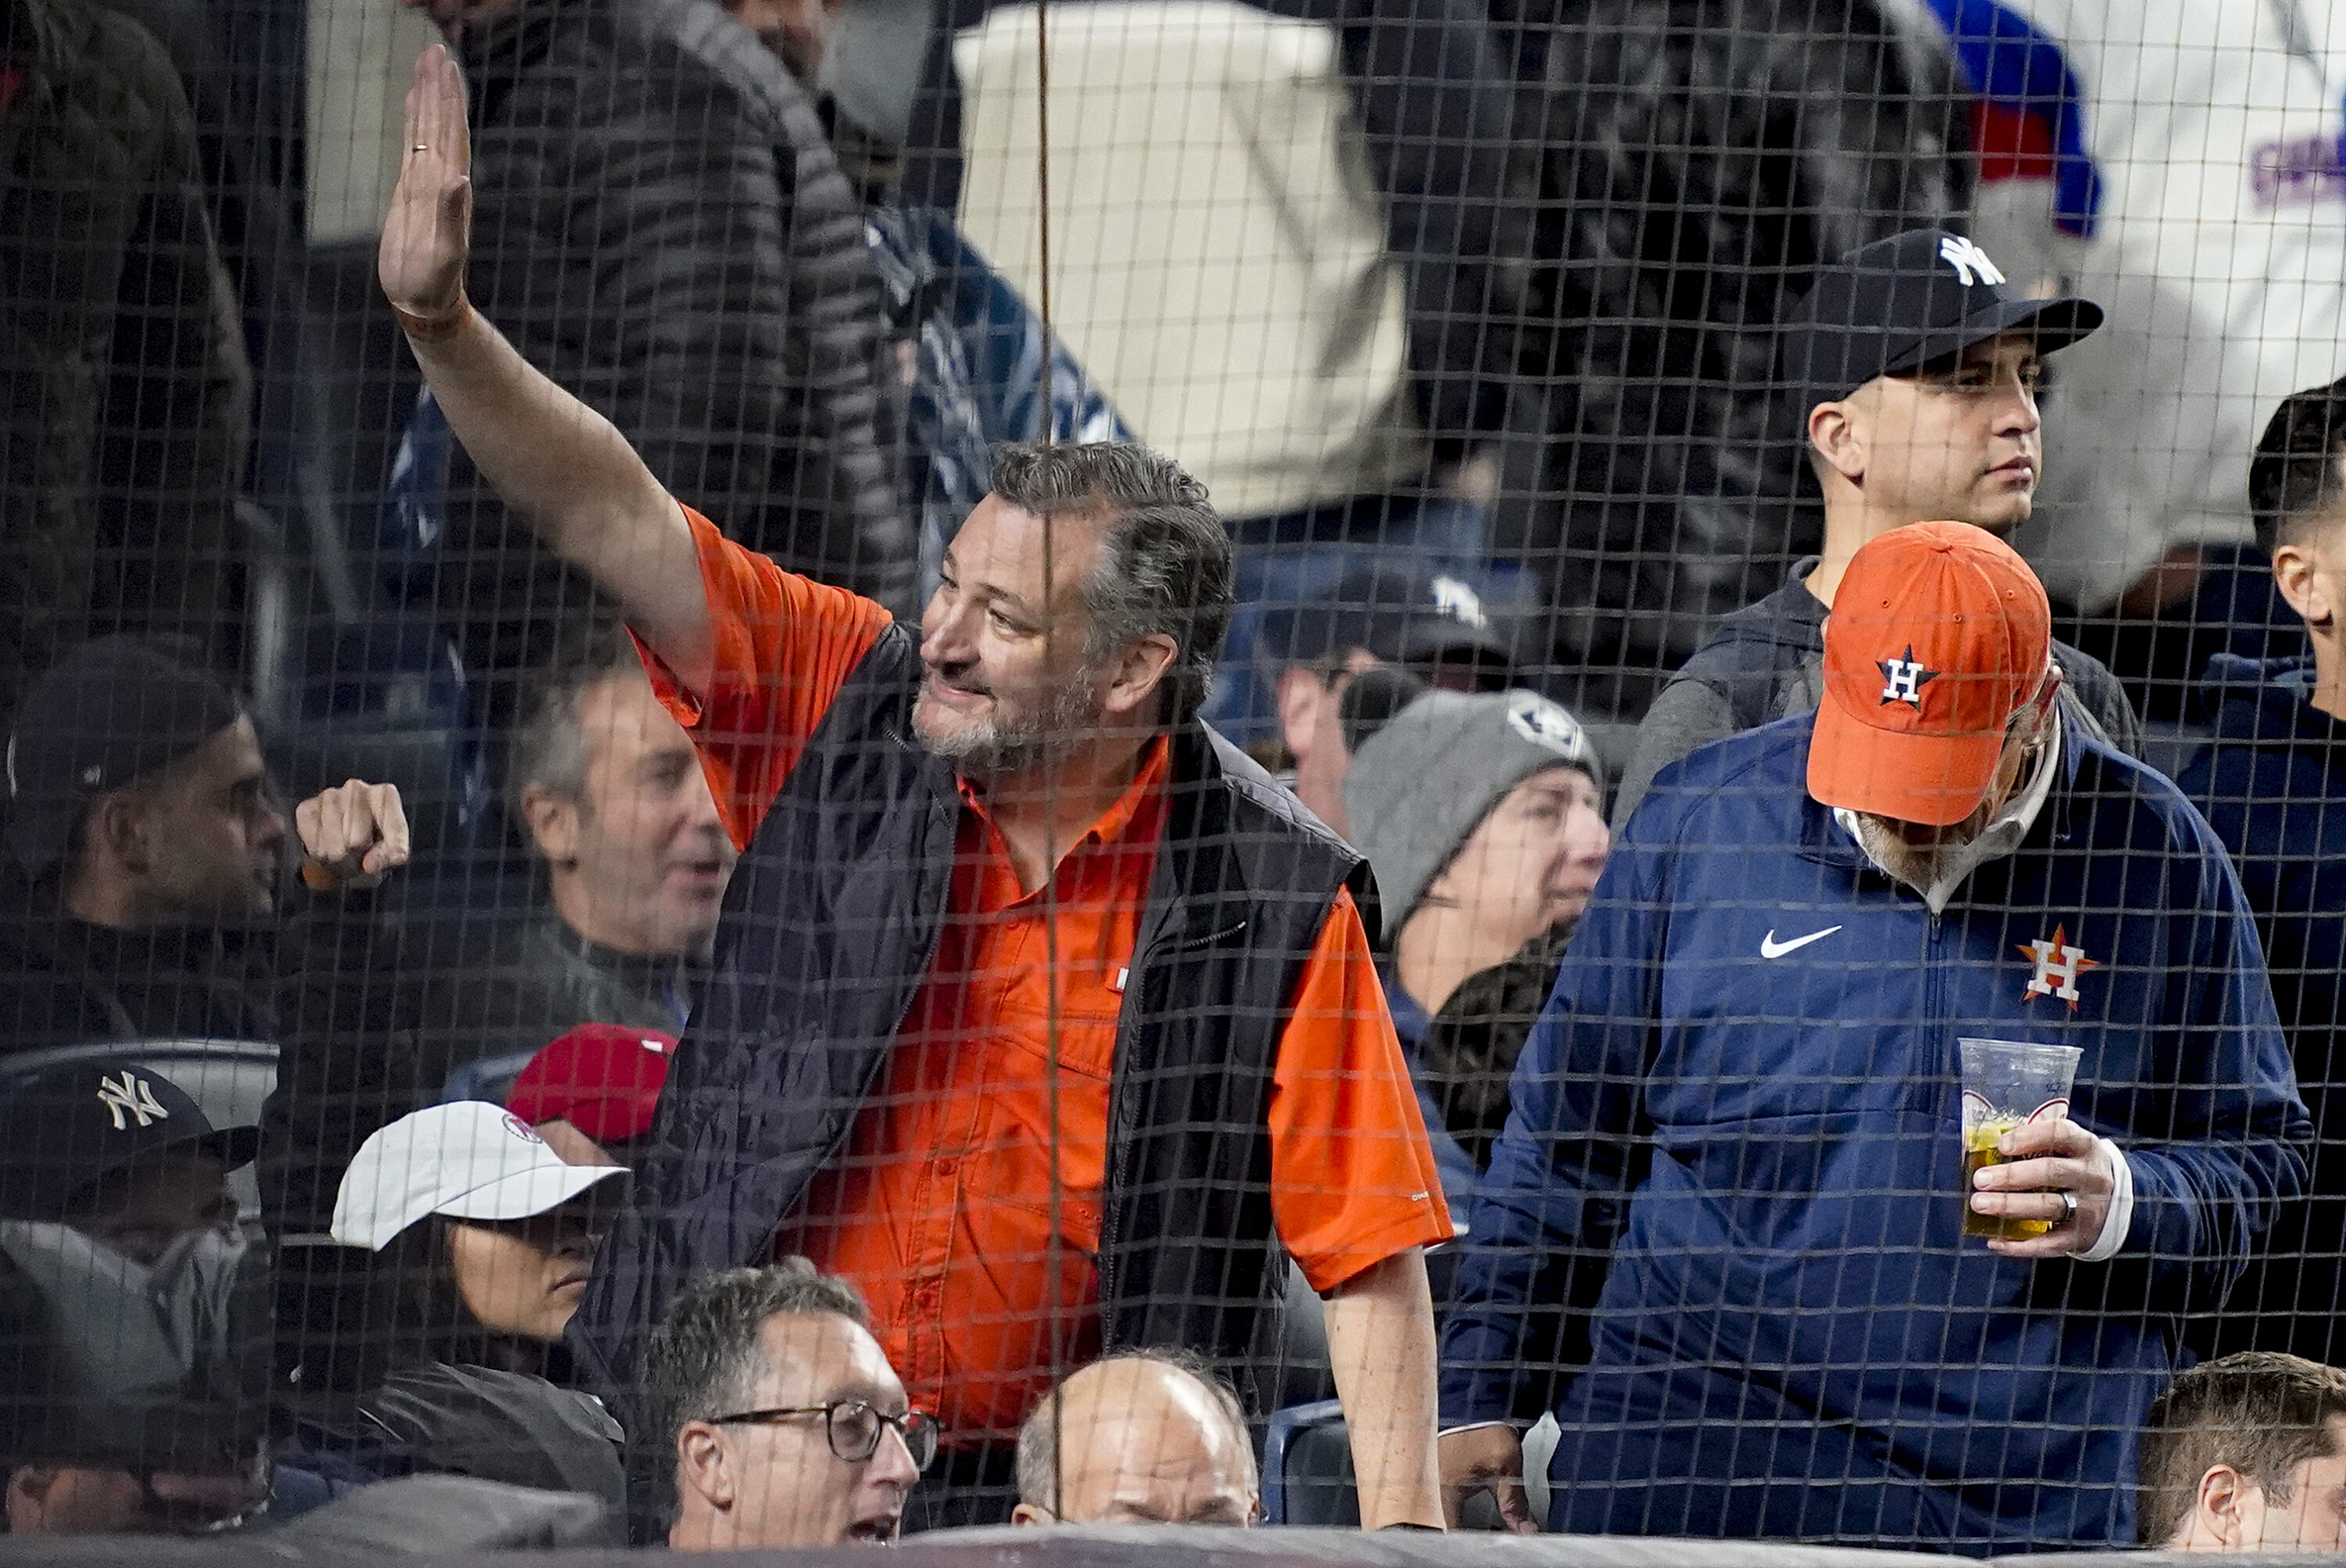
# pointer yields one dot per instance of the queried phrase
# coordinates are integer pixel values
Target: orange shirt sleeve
(1352, 1176)
(785, 646)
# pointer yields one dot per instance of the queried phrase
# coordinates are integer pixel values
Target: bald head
(1147, 1440)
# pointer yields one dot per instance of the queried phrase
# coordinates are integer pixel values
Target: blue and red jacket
(1742, 1104)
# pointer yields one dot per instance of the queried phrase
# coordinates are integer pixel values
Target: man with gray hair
(780, 1422)
(1037, 1010)
(1150, 1437)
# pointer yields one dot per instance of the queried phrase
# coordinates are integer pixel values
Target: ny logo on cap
(1903, 679)
(133, 1094)
(1458, 601)
(1970, 262)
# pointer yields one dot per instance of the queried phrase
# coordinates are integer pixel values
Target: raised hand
(351, 835)
(427, 235)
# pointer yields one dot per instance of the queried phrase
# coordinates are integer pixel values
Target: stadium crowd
(1028, 955)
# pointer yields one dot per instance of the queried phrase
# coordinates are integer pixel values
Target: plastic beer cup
(2007, 1083)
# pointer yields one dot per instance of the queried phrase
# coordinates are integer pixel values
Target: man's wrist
(433, 329)
(2119, 1220)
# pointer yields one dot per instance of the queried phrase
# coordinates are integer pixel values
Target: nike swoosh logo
(1770, 948)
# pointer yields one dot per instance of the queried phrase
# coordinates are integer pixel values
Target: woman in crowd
(484, 1239)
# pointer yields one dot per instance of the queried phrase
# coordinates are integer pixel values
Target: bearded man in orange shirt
(1037, 1010)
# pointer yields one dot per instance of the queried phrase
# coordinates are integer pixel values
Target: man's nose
(891, 1464)
(945, 636)
(2019, 412)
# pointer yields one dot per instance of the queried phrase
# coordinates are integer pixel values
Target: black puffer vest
(831, 923)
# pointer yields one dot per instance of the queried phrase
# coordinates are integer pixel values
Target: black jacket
(1698, 160)
(662, 226)
(66, 983)
(1765, 662)
(2272, 783)
(831, 923)
(124, 390)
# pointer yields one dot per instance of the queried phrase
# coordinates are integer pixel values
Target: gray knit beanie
(1421, 785)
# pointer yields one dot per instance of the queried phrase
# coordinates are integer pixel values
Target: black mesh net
(832, 767)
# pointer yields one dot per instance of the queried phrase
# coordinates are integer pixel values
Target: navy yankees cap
(67, 1125)
(1398, 611)
(1897, 304)
(107, 715)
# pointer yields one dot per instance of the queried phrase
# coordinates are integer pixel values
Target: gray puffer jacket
(662, 226)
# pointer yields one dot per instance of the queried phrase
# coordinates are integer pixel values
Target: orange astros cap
(1939, 634)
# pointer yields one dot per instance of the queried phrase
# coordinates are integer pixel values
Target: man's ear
(1139, 671)
(2294, 576)
(1027, 1514)
(552, 823)
(1836, 439)
(2219, 1513)
(121, 828)
(1301, 692)
(703, 1465)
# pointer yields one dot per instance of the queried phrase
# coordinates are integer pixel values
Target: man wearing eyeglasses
(789, 1428)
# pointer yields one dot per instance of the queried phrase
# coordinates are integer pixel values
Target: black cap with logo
(108, 714)
(67, 1125)
(1899, 303)
(1401, 613)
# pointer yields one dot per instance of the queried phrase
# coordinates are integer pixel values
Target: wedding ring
(420, 147)
(2068, 1206)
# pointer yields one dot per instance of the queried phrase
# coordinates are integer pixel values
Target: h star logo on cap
(133, 1096)
(1903, 679)
(1971, 263)
(2057, 967)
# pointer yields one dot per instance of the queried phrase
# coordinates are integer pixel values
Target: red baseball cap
(1939, 634)
(601, 1078)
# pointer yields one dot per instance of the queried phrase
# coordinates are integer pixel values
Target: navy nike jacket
(1741, 1105)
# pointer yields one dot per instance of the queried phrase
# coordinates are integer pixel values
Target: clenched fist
(351, 835)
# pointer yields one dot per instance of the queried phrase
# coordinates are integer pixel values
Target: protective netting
(847, 763)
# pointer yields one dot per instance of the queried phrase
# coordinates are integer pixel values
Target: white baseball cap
(467, 1159)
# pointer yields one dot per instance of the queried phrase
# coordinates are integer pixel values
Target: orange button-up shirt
(967, 1206)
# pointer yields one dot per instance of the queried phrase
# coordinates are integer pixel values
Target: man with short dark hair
(2246, 1454)
(1039, 1011)
(1913, 369)
(2272, 782)
(146, 853)
(1149, 1437)
(777, 1415)
(1836, 1304)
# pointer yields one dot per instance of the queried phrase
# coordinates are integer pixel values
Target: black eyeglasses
(853, 1428)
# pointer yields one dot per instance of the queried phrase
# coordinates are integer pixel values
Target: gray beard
(994, 749)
